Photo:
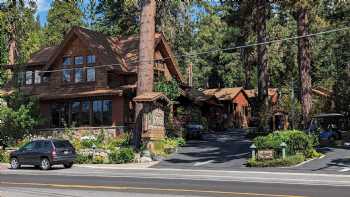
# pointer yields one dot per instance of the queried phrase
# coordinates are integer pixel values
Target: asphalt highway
(54, 184)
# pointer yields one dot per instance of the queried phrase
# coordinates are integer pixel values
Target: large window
(37, 77)
(97, 112)
(82, 113)
(29, 77)
(102, 112)
(66, 75)
(90, 74)
(78, 76)
(85, 113)
(59, 114)
(75, 107)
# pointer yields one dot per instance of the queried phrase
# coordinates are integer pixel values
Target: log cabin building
(89, 79)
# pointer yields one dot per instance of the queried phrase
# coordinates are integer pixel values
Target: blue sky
(43, 8)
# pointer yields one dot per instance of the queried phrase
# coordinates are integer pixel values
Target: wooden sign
(265, 154)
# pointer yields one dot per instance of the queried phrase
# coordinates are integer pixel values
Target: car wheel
(45, 164)
(68, 165)
(14, 163)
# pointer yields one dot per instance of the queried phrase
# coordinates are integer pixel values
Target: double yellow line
(120, 188)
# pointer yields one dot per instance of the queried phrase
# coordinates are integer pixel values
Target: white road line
(344, 170)
(203, 163)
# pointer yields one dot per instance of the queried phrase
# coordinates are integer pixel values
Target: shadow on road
(216, 150)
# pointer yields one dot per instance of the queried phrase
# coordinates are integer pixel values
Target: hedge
(288, 161)
(297, 142)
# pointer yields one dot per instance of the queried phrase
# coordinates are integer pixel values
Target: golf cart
(329, 127)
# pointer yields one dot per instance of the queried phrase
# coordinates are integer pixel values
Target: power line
(216, 50)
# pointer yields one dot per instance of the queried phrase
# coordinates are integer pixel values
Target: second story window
(37, 77)
(29, 77)
(66, 75)
(78, 76)
(90, 73)
(79, 60)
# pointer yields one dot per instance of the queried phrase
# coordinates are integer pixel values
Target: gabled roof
(123, 53)
(129, 47)
(151, 97)
(254, 92)
(104, 46)
(225, 93)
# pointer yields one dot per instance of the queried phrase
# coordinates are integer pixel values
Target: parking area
(220, 150)
(229, 150)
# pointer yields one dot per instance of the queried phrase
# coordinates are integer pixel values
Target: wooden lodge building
(89, 79)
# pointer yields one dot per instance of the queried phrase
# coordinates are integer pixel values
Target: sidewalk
(118, 166)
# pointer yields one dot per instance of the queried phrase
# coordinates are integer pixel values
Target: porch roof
(151, 96)
(90, 93)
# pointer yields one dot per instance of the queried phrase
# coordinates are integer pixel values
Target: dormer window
(79, 60)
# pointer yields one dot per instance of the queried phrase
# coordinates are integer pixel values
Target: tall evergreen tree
(62, 16)
(146, 55)
(263, 79)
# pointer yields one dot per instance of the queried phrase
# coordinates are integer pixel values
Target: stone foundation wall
(78, 132)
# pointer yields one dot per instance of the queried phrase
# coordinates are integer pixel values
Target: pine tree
(62, 16)
(146, 55)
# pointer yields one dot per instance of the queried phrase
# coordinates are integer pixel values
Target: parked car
(44, 154)
(329, 127)
(193, 131)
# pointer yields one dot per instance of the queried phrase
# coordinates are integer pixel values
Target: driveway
(229, 149)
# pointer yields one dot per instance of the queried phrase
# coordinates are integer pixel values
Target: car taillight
(53, 153)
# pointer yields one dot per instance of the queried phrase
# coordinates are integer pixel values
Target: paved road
(222, 150)
(229, 151)
(168, 182)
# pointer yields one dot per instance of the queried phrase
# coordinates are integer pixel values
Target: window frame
(26, 77)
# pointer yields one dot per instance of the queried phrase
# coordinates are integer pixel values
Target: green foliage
(170, 88)
(117, 17)
(62, 16)
(83, 159)
(122, 155)
(166, 146)
(4, 156)
(18, 118)
(288, 161)
(297, 142)
(120, 141)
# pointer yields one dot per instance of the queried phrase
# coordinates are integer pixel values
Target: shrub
(99, 160)
(83, 159)
(122, 155)
(162, 147)
(297, 141)
(288, 161)
(121, 141)
(4, 157)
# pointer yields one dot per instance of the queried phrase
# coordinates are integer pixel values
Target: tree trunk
(12, 54)
(146, 56)
(262, 62)
(304, 64)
